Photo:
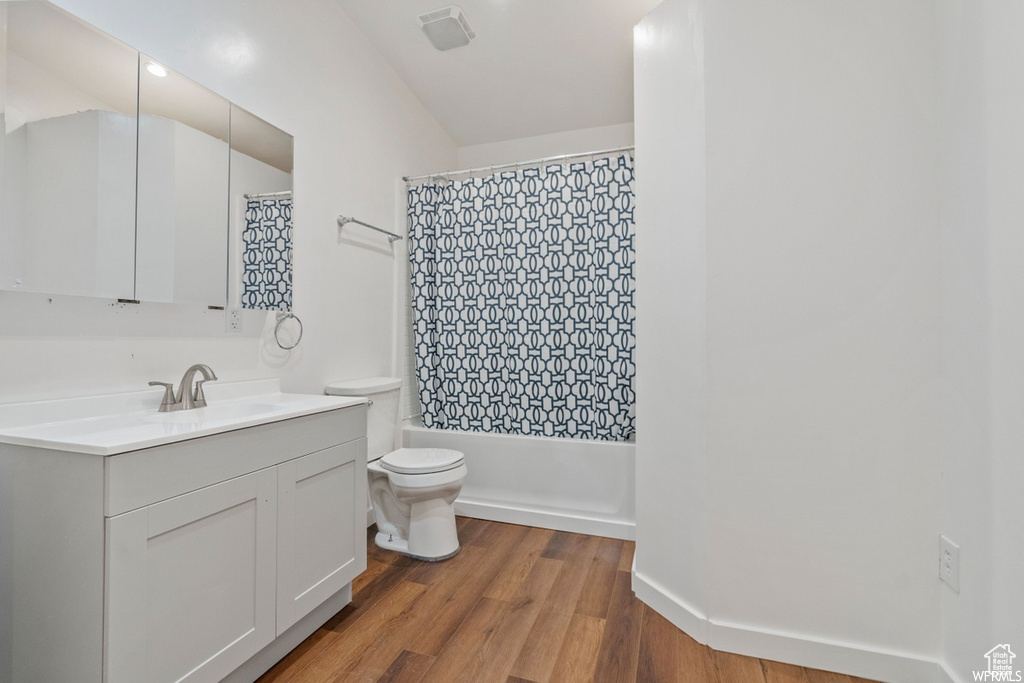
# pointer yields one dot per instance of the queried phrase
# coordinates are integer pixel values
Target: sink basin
(117, 423)
(214, 413)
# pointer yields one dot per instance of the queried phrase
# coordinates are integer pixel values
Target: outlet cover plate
(949, 563)
(233, 321)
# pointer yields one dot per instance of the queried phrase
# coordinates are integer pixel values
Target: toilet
(412, 490)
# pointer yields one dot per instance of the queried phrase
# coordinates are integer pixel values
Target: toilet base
(400, 545)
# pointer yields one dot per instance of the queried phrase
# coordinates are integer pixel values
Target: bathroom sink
(214, 413)
(117, 423)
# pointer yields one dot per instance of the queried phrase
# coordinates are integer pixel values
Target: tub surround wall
(304, 67)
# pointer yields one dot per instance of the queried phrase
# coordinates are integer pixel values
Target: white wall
(966, 443)
(1004, 172)
(982, 106)
(822, 319)
(304, 67)
(542, 146)
(671, 296)
(821, 505)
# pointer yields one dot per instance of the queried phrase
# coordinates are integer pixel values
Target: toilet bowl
(414, 501)
(412, 490)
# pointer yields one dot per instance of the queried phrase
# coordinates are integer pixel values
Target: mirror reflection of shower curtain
(267, 254)
(522, 296)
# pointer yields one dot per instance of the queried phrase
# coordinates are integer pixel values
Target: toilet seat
(421, 460)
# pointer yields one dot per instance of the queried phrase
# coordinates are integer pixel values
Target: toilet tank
(381, 415)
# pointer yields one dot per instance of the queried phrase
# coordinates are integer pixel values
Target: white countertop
(117, 423)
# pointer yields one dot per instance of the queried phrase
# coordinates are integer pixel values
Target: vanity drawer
(133, 480)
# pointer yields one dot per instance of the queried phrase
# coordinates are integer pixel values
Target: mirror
(261, 202)
(68, 156)
(84, 115)
(184, 133)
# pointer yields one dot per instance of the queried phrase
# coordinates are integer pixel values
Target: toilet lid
(421, 460)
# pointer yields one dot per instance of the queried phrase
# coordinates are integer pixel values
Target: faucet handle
(168, 402)
(199, 399)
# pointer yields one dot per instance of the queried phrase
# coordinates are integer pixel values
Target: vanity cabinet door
(321, 524)
(190, 583)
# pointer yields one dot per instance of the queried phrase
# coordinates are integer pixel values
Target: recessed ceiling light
(447, 27)
(156, 69)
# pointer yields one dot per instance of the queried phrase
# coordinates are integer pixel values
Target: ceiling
(535, 67)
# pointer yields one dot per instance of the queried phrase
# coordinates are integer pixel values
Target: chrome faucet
(187, 397)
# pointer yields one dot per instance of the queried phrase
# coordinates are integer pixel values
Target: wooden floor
(516, 604)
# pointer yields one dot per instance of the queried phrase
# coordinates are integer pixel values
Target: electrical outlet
(949, 563)
(234, 320)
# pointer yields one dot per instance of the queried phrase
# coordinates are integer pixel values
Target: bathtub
(580, 486)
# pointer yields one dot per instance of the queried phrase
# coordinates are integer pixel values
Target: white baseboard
(545, 518)
(848, 658)
(673, 608)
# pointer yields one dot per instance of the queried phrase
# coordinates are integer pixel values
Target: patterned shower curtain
(267, 254)
(522, 296)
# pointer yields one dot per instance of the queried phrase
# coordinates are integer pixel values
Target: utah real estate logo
(1000, 665)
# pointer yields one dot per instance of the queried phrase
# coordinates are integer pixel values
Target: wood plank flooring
(516, 605)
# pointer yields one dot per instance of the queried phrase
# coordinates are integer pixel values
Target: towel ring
(281, 317)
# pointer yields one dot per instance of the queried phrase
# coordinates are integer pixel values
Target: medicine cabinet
(120, 177)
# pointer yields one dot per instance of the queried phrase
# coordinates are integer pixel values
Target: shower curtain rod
(268, 195)
(447, 175)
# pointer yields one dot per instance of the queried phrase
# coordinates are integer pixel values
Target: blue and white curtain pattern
(267, 254)
(522, 296)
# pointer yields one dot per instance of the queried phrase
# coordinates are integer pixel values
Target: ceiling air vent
(447, 27)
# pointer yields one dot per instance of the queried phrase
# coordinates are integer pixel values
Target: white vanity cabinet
(316, 557)
(217, 555)
(191, 583)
